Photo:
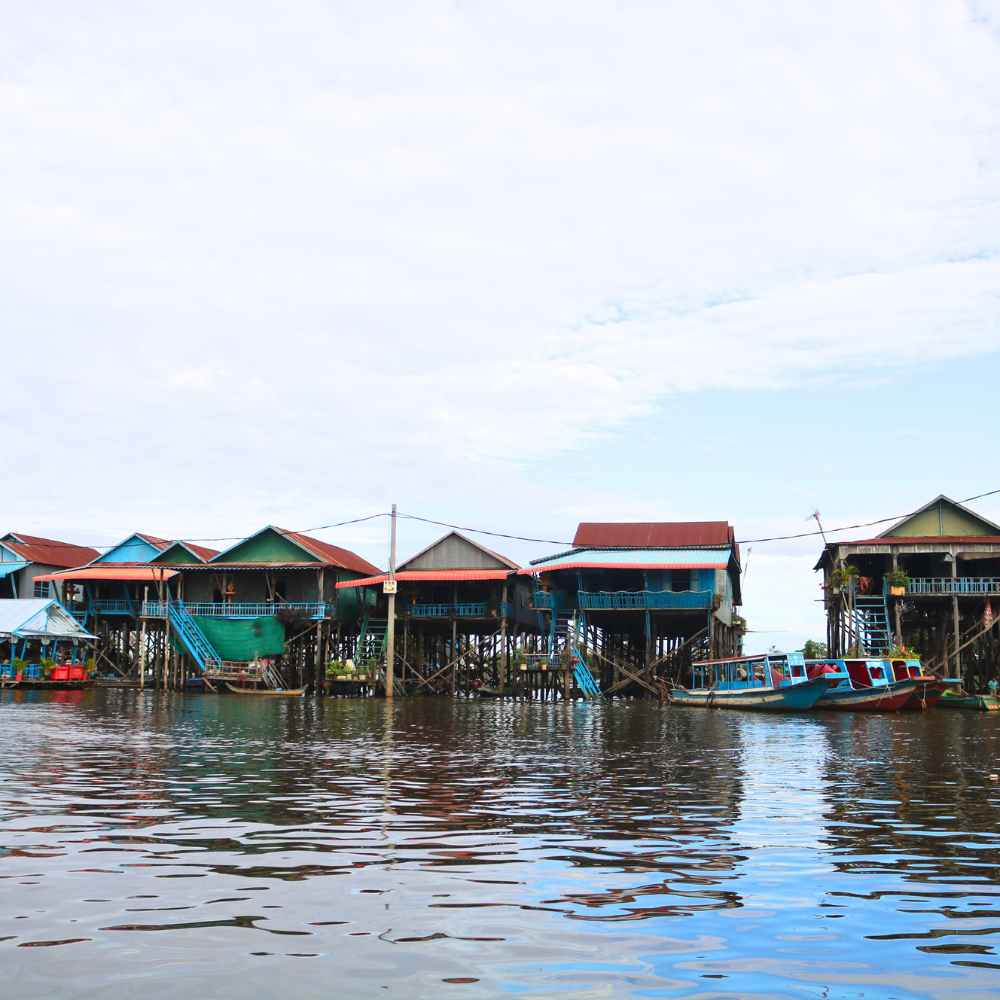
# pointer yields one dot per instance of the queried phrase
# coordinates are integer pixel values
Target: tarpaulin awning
(6, 568)
(39, 618)
(632, 559)
(430, 576)
(124, 574)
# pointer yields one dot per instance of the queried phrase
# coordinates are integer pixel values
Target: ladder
(371, 641)
(581, 672)
(871, 621)
(189, 634)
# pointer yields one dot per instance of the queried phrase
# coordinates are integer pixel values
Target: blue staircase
(871, 623)
(370, 647)
(570, 633)
(192, 638)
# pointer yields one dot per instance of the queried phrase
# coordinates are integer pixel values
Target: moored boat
(862, 685)
(763, 683)
(970, 702)
(930, 687)
(268, 692)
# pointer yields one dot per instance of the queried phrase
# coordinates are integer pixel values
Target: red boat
(862, 686)
(930, 687)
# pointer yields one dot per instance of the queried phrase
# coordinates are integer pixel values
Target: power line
(529, 538)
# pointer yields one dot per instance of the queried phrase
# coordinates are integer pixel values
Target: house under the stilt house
(929, 584)
(36, 633)
(270, 597)
(461, 610)
(641, 600)
(25, 558)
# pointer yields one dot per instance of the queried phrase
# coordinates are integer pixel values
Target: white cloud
(288, 263)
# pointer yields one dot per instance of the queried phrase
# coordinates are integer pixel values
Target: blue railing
(244, 609)
(543, 600)
(195, 641)
(118, 606)
(506, 609)
(630, 600)
(467, 609)
(934, 585)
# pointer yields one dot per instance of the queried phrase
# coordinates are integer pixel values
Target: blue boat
(764, 683)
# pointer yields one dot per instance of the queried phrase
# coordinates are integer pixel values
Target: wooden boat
(765, 683)
(864, 685)
(268, 692)
(930, 687)
(491, 692)
(970, 702)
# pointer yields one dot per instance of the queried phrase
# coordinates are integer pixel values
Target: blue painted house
(645, 597)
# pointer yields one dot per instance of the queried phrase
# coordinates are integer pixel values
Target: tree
(814, 650)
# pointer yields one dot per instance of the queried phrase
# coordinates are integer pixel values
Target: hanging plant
(843, 576)
(898, 579)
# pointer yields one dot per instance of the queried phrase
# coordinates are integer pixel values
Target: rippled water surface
(159, 845)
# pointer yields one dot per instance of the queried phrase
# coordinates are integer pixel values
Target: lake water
(161, 845)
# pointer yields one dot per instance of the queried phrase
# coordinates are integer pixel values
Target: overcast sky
(510, 265)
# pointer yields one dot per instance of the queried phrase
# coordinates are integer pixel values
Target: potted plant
(898, 581)
(843, 577)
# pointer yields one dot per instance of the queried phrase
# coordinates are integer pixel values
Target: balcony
(467, 609)
(644, 600)
(117, 606)
(543, 600)
(946, 586)
(313, 609)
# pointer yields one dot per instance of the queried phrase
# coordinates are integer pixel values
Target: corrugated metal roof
(113, 571)
(29, 617)
(707, 558)
(653, 534)
(330, 555)
(48, 551)
(431, 576)
(457, 534)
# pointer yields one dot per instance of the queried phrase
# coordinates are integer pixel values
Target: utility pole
(390, 631)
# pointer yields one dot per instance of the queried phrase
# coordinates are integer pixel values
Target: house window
(680, 579)
(41, 588)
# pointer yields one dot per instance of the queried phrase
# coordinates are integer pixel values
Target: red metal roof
(331, 555)
(114, 571)
(160, 543)
(48, 551)
(653, 534)
(431, 576)
(201, 551)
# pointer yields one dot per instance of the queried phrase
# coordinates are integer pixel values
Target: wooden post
(318, 677)
(142, 641)
(390, 632)
(955, 619)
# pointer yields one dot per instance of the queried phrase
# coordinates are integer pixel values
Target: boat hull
(788, 698)
(971, 703)
(267, 693)
(890, 698)
(927, 694)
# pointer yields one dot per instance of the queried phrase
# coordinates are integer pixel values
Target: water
(157, 845)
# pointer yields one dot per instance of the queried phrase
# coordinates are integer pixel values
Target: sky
(509, 266)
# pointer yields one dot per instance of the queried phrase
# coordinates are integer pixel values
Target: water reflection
(482, 847)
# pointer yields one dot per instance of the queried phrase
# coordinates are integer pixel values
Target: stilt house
(644, 597)
(930, 582)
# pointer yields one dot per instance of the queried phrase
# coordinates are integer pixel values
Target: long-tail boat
(862, 685)
(969, 702)
(930, 687)
(764, 683)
